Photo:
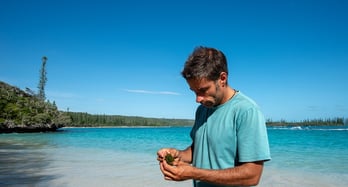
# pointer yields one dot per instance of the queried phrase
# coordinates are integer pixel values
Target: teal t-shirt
(229, 134)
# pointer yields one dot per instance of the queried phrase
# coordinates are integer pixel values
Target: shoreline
(124, 126)
(169, 126)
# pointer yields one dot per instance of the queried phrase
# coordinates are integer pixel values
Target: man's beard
(216, 100)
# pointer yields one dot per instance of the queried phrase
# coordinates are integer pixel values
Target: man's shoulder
(244, 100)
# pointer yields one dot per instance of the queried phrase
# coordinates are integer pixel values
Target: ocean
(74, 157)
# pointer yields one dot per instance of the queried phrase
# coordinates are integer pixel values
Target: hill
(21, 111)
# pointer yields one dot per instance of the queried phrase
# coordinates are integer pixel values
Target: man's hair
(205, 62)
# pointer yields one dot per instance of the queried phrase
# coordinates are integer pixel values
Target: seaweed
(169, 159)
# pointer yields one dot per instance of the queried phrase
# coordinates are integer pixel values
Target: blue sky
(125, 57)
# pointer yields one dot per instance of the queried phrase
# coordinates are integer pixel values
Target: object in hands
(169, 159)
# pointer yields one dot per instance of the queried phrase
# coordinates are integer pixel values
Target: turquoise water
(301, 156)
(314, 149)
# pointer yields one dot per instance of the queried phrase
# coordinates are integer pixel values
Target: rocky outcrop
(11, 127)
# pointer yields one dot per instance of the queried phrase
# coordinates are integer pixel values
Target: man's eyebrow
(203, 89)
(200, 89)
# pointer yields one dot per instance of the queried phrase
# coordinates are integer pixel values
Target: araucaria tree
(43, 79)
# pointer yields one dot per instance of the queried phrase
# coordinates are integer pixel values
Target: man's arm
(185, 155)
(247, 174)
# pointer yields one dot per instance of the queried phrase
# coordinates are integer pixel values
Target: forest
(81, 119)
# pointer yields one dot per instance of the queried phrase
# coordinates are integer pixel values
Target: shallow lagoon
(312, 156)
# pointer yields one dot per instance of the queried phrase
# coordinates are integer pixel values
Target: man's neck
(229, 94)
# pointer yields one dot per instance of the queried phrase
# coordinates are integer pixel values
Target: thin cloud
(152, 92)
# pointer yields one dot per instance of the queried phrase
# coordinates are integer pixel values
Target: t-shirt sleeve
(252, 139)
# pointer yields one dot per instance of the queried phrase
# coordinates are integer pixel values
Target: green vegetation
(80, 119)
(22, 112)
(314, 122)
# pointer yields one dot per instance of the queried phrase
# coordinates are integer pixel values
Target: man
(229, 136)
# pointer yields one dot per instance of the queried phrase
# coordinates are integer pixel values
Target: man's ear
(223, 79)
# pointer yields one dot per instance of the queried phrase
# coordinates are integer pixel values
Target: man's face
(208, 93)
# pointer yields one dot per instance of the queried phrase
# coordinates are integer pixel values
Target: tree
(43, 79)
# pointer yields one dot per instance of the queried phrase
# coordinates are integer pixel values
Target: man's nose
(199, 99)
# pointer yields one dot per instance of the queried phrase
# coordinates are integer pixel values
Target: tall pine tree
(43, 79)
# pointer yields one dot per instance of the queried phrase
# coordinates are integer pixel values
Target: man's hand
(162, 153)
(179, 171)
